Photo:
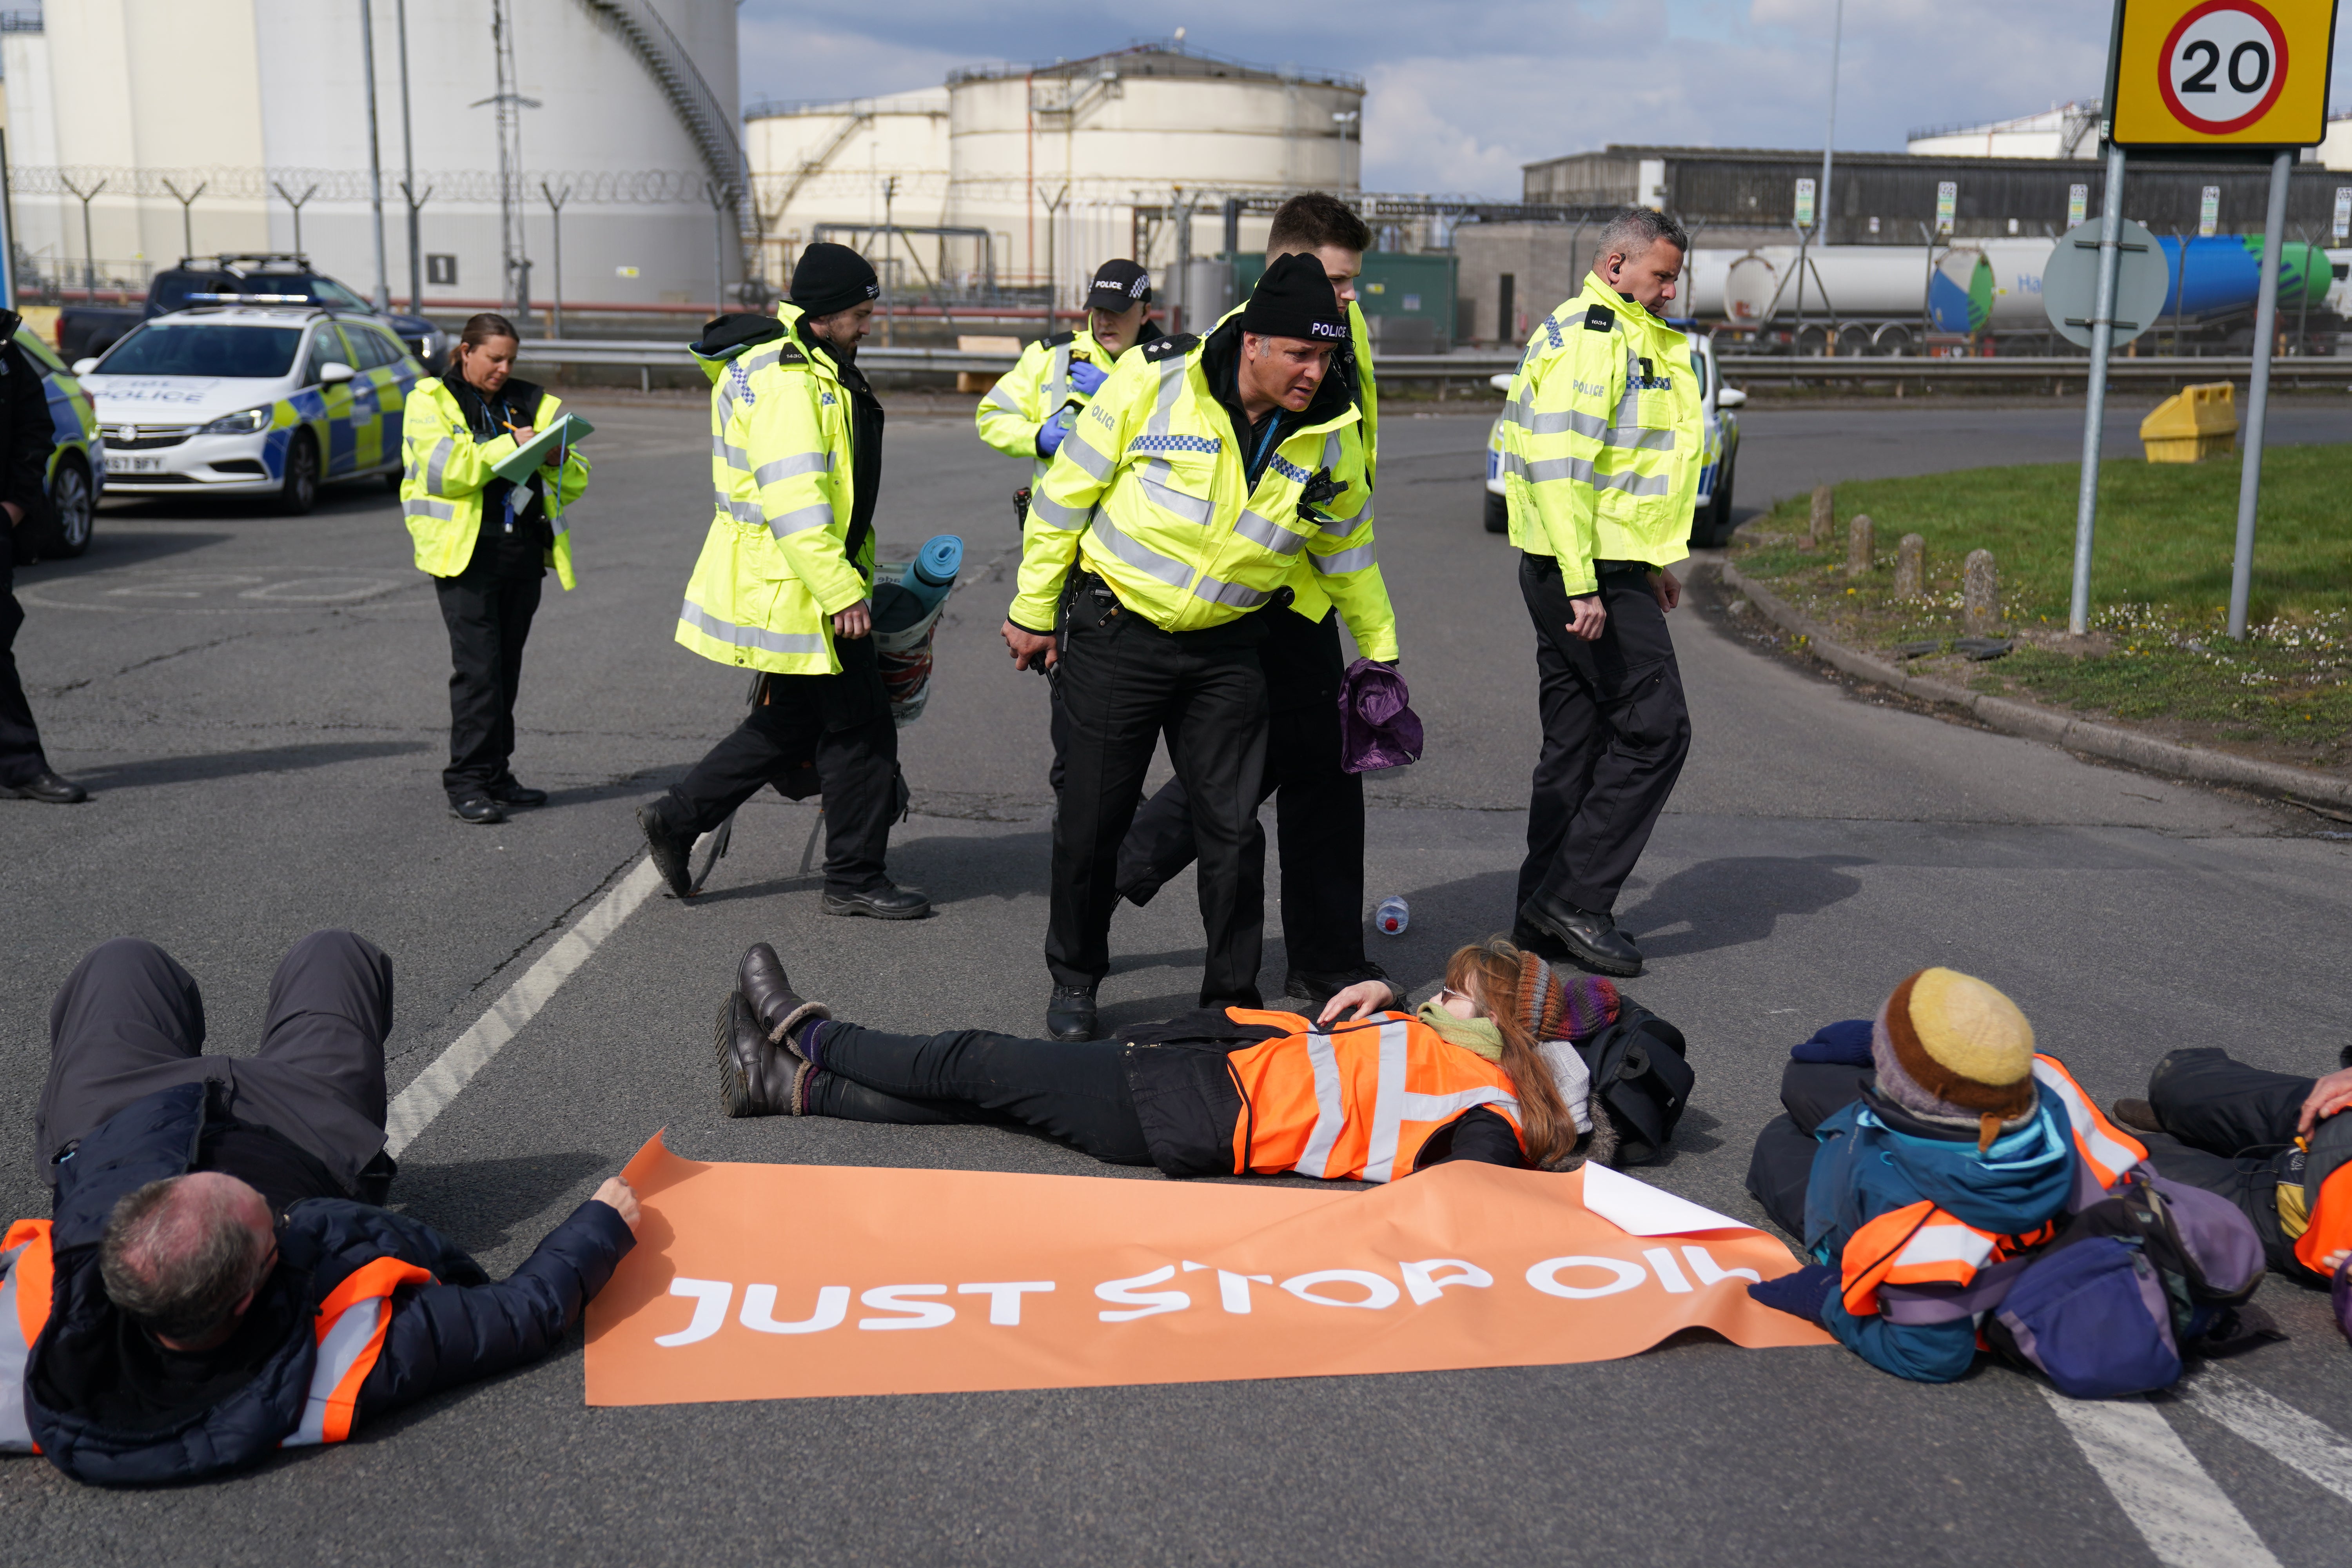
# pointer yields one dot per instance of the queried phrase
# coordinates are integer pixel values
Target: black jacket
(24, 425)
(92, 1424)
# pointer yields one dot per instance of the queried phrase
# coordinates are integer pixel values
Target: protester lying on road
(1927, 1155)
(212, 1285)
(2273, 1143)
(1484, 1071)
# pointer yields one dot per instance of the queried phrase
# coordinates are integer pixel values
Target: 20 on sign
(2222, 65)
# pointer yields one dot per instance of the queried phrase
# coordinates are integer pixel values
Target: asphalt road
(258, 704)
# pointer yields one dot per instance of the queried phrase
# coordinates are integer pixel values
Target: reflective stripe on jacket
(1149, 493)
(349, 1329)
(1033, 391)
(447, 465)
(774, 568)
(1603, 438)
(1355, 1102)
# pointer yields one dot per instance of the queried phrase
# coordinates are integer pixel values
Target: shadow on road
(477, 1203)
(1734, 902)
(237, 764)
(113, 548)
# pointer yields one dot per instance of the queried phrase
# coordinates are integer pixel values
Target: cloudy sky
(1462, 94)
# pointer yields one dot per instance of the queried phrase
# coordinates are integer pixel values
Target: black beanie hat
(1295, 300)
(830, 278)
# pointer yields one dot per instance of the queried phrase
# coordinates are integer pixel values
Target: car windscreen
(203, 348)
(171, 291)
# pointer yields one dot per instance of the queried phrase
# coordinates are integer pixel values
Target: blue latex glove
(1050, 434)
(1801, 1294)
(1087, 378)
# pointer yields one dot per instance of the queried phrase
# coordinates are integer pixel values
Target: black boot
(1070, 1013)
(669, 849)
(1592, 939)
(756, 1077)
(779, 1009)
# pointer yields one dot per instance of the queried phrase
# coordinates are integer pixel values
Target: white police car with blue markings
(250, 400)
(1711, 520)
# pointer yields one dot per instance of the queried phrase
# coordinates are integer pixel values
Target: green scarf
(1475, 1034)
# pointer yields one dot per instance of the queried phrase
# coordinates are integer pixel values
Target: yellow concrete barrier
(2192, 425)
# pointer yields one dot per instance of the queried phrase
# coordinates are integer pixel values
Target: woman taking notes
(486, 543)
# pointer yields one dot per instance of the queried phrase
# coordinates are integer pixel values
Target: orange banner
(789, 1281)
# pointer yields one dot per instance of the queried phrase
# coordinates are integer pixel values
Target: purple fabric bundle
(1377, 727)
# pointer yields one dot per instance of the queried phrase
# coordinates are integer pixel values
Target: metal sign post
(2094, 414)
(2257, 404)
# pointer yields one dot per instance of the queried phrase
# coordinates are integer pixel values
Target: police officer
(1319, 806)
(1602, 447)
(28, 434)
(1176, 508)
(785, 585)
(487, 545)
(1028, 411)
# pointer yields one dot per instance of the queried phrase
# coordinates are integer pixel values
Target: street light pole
(408, 169)
(376, 152)
(1828, 139)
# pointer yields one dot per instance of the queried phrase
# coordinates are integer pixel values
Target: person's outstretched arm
(442, 1336)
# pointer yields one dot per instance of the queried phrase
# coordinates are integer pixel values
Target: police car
(1711, 522)
(78, 462)
(258, 400)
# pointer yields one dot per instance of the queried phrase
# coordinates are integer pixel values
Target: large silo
(863, 161)
(1089, 158)
(625, 112)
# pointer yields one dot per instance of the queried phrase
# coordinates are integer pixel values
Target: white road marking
(428, 1094)
(2158, 1482)
(2271, 1424)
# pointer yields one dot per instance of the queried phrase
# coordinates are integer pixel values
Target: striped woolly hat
(1585, 1005)
(1950, 1048)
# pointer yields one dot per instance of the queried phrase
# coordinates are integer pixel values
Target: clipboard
(532, 455)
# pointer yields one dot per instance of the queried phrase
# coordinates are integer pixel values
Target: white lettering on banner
(919, 1314)
(1422, 1281)
(1146, 1302)
(1232, 1289)
(1004, 1298)
(1670, 1274)
(1544, 1277)
(710, 1299)
(1380, 1291)
(759, 1312)
(1709, 1272)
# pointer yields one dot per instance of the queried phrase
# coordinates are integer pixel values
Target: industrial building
(140, 130)
(1018, 177)
(2071, 131)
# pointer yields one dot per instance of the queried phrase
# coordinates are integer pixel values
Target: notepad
(533, 454)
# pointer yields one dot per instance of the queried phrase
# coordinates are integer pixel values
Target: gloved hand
(1087, 378)
(1050, 435)
(1801, 1294)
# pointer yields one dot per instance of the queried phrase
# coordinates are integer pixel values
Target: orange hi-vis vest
(350, 1327)
(1920, 1244)
(1355, 1102)
(2327, 1227)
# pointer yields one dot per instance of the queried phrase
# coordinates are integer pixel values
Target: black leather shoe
(1320, 988)
(761, 979)
(756, 1076)
(1593, 941)
(884, 903)
(512, 794)
(50, 790)
(2137, 1114)
(479, 809)
(669, 849)
(1070, 1013)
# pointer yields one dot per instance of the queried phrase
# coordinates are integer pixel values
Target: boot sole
(734, 1094)
(674, 874)
(1583, 956)
(834, 906)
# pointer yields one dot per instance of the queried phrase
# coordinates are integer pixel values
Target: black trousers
(1781, 1168)
(809, 734)
(1124, 684)
(488, 616)
(1075, 1092)
(21, 758)
(1318, 806)
(1615, 732)
(2230, 1130)
(128, 1021)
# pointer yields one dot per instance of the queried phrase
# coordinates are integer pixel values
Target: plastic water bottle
(1392, 916)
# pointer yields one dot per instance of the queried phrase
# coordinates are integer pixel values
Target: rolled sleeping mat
(907, 610)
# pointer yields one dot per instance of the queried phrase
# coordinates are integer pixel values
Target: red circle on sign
(2278, 68)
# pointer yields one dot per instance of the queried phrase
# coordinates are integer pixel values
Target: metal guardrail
(1737, 369)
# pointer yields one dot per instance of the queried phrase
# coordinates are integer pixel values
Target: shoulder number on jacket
(1170, 348)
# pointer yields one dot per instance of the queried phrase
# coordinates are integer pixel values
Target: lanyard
(1265, 446)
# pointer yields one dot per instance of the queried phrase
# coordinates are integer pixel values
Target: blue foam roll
(939, 561)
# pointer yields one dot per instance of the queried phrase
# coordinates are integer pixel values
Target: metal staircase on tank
(707, 120)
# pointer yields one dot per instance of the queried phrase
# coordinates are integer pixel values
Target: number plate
(135, 464)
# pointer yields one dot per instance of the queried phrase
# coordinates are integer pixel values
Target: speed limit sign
(2250, 73)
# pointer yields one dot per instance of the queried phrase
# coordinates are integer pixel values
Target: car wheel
(1499, 513)
(75, 507)
(299, 491)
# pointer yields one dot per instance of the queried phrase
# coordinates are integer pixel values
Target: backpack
(2109, 1306)
(1641, 1078)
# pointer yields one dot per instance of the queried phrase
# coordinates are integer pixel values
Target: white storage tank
(854, 161)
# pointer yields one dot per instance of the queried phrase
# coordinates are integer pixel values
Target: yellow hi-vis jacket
(1308, 597)
(1033, 391)
(774, 568)
(447, 467)
(1149, 493)
(1602, 438)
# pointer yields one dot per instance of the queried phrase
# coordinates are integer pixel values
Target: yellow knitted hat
(1952, 1047)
